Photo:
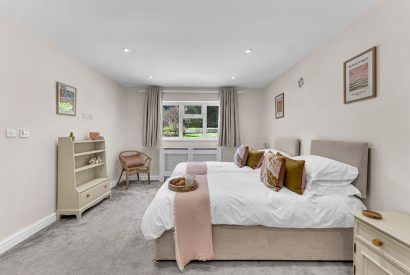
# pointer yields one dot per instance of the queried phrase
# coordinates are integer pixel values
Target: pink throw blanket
(192, 215)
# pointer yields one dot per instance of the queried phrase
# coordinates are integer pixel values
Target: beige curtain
(152, 111)
(229, 120)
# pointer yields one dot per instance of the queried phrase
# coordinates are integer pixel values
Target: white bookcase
(80, 185)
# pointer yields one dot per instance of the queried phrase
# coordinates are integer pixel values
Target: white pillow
(274, 151)
(329, 170)
(324, 188)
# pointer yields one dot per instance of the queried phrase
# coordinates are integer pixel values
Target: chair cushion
(134, 161)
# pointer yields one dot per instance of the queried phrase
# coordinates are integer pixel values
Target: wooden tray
(176, 188)
(372, 214)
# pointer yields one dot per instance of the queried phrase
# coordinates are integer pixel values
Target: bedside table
(381, 246)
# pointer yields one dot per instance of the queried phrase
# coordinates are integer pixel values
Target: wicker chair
(134, 162)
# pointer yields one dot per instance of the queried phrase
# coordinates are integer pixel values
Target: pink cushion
(241, 156)
(133, 161)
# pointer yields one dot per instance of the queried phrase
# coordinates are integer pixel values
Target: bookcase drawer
(94, 192)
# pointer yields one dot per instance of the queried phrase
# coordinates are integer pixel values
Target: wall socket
(24, 133)
(11, 133)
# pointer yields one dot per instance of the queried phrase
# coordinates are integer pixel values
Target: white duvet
(239, 198)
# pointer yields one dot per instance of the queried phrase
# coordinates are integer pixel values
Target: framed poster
(360, 77)
(66, 100)
(280, 106)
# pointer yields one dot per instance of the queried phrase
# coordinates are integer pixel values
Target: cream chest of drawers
(382, 246)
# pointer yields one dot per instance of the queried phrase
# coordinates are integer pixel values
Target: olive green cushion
(255, 159)
(293, 174)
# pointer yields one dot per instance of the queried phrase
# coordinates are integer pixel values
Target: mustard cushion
(254, 159)
(293, 174)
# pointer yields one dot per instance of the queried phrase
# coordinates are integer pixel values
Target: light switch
(24, 133)
(11, 133)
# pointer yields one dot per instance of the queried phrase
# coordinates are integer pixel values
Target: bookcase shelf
(80, 185)
(88, 153)
(90, 166)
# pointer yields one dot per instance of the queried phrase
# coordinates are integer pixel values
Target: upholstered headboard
(353, 153)
(288, 145)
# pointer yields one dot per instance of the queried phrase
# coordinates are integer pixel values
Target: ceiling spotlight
(150, 77)
(233, 77)
(126, 50)
(248, 51)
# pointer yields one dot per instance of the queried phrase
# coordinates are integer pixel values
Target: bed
(326, 235)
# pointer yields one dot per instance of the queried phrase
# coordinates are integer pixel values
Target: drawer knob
(88, 195)
(377, 242)
(105, 186)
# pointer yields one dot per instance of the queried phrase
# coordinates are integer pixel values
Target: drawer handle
(377, 242)
(88, 195)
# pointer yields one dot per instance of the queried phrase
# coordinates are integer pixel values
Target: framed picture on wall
(360, 77)
(280, 106)
(66, 100)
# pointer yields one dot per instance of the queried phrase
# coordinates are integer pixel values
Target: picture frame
(360, 76)
(66, 99)
(280, 106)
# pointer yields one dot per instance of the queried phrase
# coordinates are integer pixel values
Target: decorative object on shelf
(360, 78)
(95, 135)
(66, 100)
(97, 160)
(301, 82)
(372, 214)
(72, 136)
(181, 185)
(280, 106)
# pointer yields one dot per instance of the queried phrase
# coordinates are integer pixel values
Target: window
(190, 120)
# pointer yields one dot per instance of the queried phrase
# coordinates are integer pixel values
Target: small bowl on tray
(180, 185)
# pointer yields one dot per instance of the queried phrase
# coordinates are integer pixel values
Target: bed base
(232, 242)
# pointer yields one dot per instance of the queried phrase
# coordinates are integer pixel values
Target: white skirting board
(26, 232)
(143, 177)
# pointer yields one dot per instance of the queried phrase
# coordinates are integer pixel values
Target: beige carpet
(108, 240)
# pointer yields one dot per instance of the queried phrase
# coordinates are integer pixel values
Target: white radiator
(169, 157)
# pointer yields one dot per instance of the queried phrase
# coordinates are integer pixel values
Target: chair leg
(138, 176)
(149, 179)
(119, 179)
(126, 180)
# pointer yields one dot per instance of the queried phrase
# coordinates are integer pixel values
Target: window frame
(182, 116)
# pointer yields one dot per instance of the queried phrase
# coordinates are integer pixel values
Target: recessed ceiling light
(150, 77)
(126, 50)
(233, 77)
(248, 51)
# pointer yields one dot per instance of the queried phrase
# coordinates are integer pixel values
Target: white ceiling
(192, 43)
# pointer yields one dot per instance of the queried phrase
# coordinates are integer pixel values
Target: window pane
(170, 121)
(212, 113)
(193, 127)
(192, 110)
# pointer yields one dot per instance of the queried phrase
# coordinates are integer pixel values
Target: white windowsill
(189, 139)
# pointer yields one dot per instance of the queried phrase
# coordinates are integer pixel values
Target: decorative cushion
(294, 174)
(255, 159)
(134, 161)
(273, 171)
(241, 156)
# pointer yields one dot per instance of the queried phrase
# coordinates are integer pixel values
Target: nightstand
(382, 246)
